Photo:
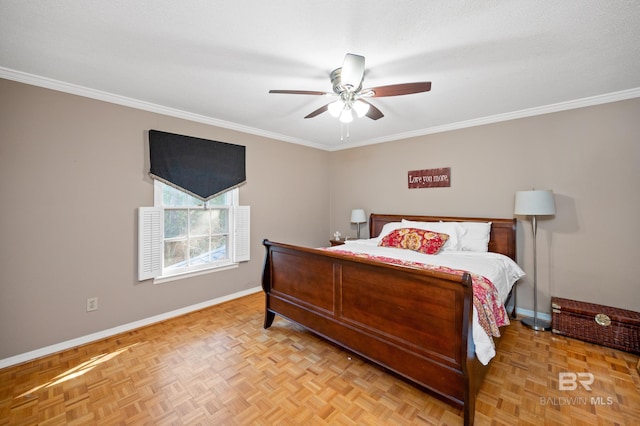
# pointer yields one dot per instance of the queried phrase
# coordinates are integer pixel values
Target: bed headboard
(503, 231)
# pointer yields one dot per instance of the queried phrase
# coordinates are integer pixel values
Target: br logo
(569, 381)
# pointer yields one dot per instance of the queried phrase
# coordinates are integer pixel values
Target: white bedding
(501, 270)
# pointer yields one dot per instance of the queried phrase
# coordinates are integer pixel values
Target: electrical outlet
(92, 304)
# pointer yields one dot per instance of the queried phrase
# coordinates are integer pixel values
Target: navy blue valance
(201, 167)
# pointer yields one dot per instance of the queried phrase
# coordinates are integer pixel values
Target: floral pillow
(422, 240)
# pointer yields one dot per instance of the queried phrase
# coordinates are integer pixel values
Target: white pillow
(476, 237)
(453, 229)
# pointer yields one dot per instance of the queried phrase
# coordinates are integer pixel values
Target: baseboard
(529, 313)
(48, 350)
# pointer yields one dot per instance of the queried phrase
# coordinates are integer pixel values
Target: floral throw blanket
(491, 312)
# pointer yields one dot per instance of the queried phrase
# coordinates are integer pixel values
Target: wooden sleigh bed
(413, 322)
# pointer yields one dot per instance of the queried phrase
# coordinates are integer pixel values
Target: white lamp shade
(361, 108)
(534, 203)
(346, 116)
(358, 216)
(335, 108)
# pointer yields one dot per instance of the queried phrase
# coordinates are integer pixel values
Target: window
(182, 234)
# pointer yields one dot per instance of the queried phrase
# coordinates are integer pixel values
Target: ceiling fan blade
(352, 71)
(318, 111)
(373, 113)
(397, 89)
(299, 92)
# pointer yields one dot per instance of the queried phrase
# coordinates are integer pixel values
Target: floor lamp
(535, 203)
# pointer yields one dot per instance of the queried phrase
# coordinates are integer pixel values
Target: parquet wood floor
(219, 366)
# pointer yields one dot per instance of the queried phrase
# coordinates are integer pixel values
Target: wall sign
(430, 178)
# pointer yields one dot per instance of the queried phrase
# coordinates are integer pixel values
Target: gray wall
(73, 172)
(589, 157)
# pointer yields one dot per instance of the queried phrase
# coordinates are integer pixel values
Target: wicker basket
(603, 325)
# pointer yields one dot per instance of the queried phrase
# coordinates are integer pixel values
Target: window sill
(189, 274)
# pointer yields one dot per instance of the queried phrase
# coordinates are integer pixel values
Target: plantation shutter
(242, 231)
(150, 242)
(203, 168)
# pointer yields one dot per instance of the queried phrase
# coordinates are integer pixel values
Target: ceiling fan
(347, 86)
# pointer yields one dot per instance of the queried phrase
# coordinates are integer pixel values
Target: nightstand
(336, 242)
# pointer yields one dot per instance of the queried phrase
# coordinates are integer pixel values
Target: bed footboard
(413, 322)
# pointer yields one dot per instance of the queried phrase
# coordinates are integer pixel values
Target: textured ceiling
(215, 61)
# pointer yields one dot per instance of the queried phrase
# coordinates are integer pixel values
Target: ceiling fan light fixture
(346, 82)
(346, 116)
(335, 108)
(361, 108)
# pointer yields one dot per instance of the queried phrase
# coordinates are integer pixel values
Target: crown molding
(529, 112)
(74, 89)
(61, 86)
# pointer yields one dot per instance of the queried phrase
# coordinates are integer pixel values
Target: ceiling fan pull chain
(342, 131)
